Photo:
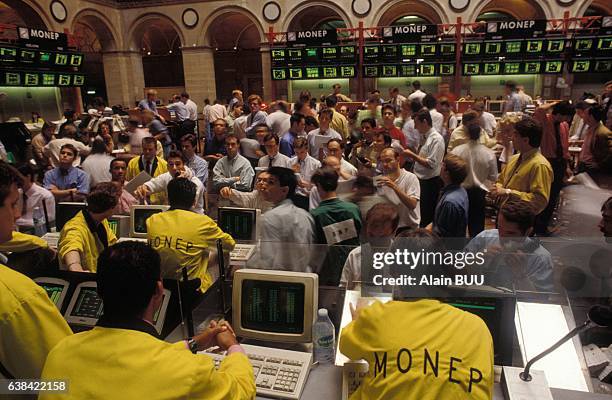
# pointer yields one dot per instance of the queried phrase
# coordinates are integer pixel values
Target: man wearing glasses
(233, 170)
(273, 158)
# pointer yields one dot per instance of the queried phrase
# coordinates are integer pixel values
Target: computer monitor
(120, 225)
(65, 211)
(495, 107)
(241, 223)
(56, 289)
(279, 306)
(85, 305)
(139, 215)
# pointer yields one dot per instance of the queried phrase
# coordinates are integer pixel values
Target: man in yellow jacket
(122, 358)
(25, 307)
(88, 233)
(184, 238)
(150, 163)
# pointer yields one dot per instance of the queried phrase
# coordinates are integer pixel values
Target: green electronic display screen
(48, 79)
(471, 49)
(27, 56)
(512, 68)
(553, 67)
(78, 80)
(532, 67)
(408, 50)
(583, 44)
(61, 59)
(370, 52)
(513, 47)
(330, 72)
(312, 72)
(30, 79)
(278, 55)
(370, 72)
(279, 74)
(427, 70)
(389, 70)
(579, 66)
(311, 54)
(76, 60)
(447, 69)
(44, 57)
(447, 48)
(12, 78)
(389, 51)
(408, 70)
(63, 80)
(492, 68)
(428, 50)
(603, 66)
(294, 55)
(604, 43)
(295, 73)
(493, 48)
(347, 71)
(471, 69)
(347, 52)
(8, 54)
(534, 46)
(555, 46)
(329, 53)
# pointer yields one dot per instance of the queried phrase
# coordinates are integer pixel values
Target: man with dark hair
(298, 124)
(481, 175)
(336, 88)
(256, 117)
(304, 165)
(401, 188)
(27, 316)
(427, 165)
(555, 147)
(395, 98)
(460, 135)
(335, 148)
(406, 124)
(181, 116)
(96, 165)
(311, 124)
(88, 233)
(605, 226)
(451, 214)
(388, 114)
(215, 147)
(318, 137)
(417, 93)
(337, 223)
(513, 100)
(233, 170)
(66, 182)
(339, 123)
(176, 168)
(527, 175)
(182, 244)
(130, 285)
(192, 107)
(67, 136)
(437, 119)
(287, 230)
(118, 168)
(372, 111)
(198, 165)
(273, 158)
(33, 195)
(578, 128)
(511, 254)
(596, 155)
(150, 163)
(487, 120)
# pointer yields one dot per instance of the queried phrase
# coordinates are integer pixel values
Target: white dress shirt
(35, 196)
(226, 169)
(52, 150)
(407, 183)
(252, 199)
(416, 95)
(313, 149)
(433, 151)
(481, 162)
(98, 168)
(307, 167)
(488, 123)
(278, 122)
(437, 120)
(160, 183)
(413, 137)
(192, 107)
(279, 160)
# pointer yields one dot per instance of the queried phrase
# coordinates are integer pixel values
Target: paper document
(138, 180)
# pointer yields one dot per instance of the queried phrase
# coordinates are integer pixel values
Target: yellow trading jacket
(136, 166)
(30, 325)
(421, 350)
(123, 363)
(183, 239)
(77, 235)
(23, 242)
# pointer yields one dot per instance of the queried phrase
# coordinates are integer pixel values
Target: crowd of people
(322, 173)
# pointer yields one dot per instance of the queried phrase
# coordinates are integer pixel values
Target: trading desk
(325, 381)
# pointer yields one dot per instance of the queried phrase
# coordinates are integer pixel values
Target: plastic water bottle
(39, 222)
(324, 338)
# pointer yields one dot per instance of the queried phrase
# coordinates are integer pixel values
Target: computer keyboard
(51, 238)
(242, 252)
(278, 373)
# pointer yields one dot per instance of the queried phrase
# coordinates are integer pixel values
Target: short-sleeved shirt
(75, 178)
(408, 183)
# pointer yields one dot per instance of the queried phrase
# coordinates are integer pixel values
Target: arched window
(495, 16)
(410, 20)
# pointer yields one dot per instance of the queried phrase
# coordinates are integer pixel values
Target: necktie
(271, 161)
(148, 168)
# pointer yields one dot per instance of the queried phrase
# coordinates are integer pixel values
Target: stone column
(199, 69)
(266, 74)
(124, 77)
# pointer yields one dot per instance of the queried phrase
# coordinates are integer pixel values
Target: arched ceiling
(16, 12)
(233, 29)
(320, 17)
(518, 9)
(410, 8)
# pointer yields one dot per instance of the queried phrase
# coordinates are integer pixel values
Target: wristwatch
(193, 345)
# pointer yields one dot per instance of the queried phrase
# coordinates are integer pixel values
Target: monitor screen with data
(139, 216)
(275, 305)
(240, 223)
